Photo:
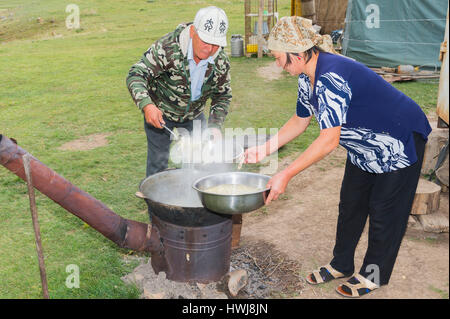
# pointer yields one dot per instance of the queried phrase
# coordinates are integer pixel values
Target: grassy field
(57, 85)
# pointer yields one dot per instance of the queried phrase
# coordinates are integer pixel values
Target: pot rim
(195, 183)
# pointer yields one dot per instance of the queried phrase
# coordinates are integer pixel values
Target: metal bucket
(193, 254)
(237, 45)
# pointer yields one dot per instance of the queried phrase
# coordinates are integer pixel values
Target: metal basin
(232, 204)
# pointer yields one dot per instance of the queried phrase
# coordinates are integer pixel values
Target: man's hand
(277, 185)
(153, 116)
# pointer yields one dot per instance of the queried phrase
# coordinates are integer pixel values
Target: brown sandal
(364, 286)
(332, 274)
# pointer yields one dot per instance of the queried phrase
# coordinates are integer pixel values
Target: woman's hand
(277, 185)
(255, 154)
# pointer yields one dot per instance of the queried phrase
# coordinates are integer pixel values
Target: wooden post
(260, 28)
(248, 22)
(236, 231)
(296, 8)
(34, 217)
(270, 19)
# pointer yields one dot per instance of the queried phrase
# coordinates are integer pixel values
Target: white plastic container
(405, 69)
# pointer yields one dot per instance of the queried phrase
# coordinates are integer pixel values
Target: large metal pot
(232, 204)
(170, 196)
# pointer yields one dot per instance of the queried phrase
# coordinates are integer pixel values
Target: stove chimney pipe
(124, 232)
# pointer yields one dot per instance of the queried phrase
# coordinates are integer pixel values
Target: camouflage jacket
(162, 78)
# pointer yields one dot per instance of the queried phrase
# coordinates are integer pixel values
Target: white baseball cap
(211, 24)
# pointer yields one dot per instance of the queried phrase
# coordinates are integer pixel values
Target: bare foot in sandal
(324, 274)
(356, 287)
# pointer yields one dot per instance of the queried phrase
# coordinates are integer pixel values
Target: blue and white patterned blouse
(377, 120)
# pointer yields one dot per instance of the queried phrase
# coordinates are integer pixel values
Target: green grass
(57, 85)
(442, 293)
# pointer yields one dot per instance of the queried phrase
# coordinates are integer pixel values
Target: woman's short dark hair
(308, 54)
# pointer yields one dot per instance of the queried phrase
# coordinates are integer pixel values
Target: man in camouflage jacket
(162, 88)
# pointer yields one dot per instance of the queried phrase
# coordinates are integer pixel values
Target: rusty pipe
(124, 232)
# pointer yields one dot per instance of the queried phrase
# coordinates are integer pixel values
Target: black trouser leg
(158, 144)
(353, 212)
(390, 205)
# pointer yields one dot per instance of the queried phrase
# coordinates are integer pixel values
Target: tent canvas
(395, 32)
(330, 15)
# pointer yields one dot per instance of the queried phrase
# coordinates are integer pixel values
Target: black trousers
(158, 143)
(387, 200)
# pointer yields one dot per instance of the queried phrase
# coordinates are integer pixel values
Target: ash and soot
(270, 274)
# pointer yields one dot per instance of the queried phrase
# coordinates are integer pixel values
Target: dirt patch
(86, 143)
(271, 273)
(270, 72)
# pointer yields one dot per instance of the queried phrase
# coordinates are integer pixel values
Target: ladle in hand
(172, 132)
